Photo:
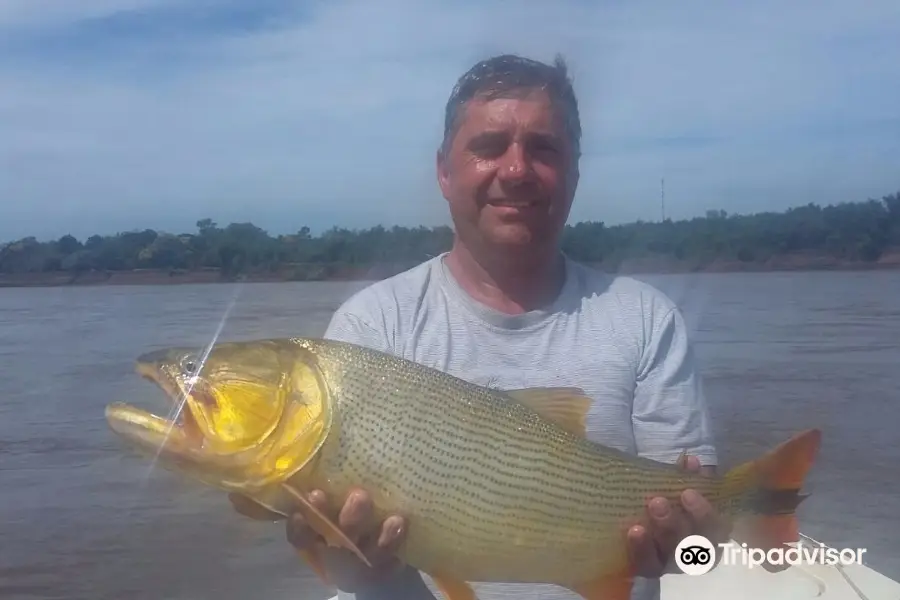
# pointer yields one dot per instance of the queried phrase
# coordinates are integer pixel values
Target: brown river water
(81, 518)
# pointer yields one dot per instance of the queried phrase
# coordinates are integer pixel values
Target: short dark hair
(508, 76)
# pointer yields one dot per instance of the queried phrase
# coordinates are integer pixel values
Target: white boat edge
(823, 581)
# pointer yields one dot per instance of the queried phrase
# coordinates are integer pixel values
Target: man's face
(510, 173)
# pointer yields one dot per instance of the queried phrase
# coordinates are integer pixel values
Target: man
(505, 308)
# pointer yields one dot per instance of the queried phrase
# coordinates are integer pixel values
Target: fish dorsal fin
(565, 406)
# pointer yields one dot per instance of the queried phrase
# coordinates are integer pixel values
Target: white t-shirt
(620, 340)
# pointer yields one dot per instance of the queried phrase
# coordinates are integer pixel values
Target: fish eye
(189, 366)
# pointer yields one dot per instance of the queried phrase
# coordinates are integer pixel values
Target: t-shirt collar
(501, 320)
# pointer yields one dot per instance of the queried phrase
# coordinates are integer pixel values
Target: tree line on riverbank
(854, 232)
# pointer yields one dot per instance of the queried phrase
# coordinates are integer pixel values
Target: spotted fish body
(496, 486)
(492, 490)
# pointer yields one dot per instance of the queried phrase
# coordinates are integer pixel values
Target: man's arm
(669, 414)
(670, 418)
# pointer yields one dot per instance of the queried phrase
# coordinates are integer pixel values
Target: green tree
(851, 231)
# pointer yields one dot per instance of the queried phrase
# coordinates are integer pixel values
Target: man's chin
(519, 236)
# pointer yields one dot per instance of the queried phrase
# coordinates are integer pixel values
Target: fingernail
(395, 527)
(659, 508)
(316, 498)
(390, 533)
(691, 498)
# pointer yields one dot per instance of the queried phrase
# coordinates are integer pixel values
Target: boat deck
(740, 582)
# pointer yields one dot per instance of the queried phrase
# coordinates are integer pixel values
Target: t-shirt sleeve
(670, 414)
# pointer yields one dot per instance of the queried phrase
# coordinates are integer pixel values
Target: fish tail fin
(770, 519)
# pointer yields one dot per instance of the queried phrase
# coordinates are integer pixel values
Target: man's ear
(575, 174)
(443, 172)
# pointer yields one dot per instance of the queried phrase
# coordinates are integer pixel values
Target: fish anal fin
(453, 589)
(567, 407)
(316, 564)
(324, 526)
(252, 509)
(615, 586)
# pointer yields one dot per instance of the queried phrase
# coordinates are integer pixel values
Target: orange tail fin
(779, 474)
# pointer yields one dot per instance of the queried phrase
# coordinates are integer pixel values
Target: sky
(118, 115)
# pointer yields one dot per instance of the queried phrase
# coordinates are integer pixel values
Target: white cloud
(332, 113)
(17, 14)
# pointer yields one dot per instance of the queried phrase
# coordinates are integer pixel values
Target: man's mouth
(516, 203)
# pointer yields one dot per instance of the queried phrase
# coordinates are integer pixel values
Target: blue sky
(125, 114)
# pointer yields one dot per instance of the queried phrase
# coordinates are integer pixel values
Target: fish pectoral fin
(567, 407)
(252, 509)
(317, 565)
(453, 589)
(324, 526)
(616, 586)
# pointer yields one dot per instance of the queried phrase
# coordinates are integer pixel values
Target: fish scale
(472, 471)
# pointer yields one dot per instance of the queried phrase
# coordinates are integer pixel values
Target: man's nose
(514, 164)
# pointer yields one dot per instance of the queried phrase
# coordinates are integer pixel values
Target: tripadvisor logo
(696, 555)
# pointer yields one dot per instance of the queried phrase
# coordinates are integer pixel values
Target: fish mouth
(179, 434)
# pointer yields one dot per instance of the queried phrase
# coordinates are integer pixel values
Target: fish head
(246, 412)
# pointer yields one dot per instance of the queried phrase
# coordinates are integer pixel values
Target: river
(80, 518)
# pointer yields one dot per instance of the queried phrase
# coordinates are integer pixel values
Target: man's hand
(650, 550)
(355, 519)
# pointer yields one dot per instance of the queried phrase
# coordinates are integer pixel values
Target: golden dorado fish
(496, 486)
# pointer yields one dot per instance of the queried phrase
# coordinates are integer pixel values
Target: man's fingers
(667, 525)
(381, 547)
(393, 531)
(691, 464)
(318, 499)
(356, 514)
(696, 506)
(299, 533)
(355, 519)
(642, 552)
(651, 547)
(705, 520)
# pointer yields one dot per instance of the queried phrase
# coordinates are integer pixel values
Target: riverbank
(645, 266)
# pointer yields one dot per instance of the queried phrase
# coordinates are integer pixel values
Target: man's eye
(489, 149)
(543, 147)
